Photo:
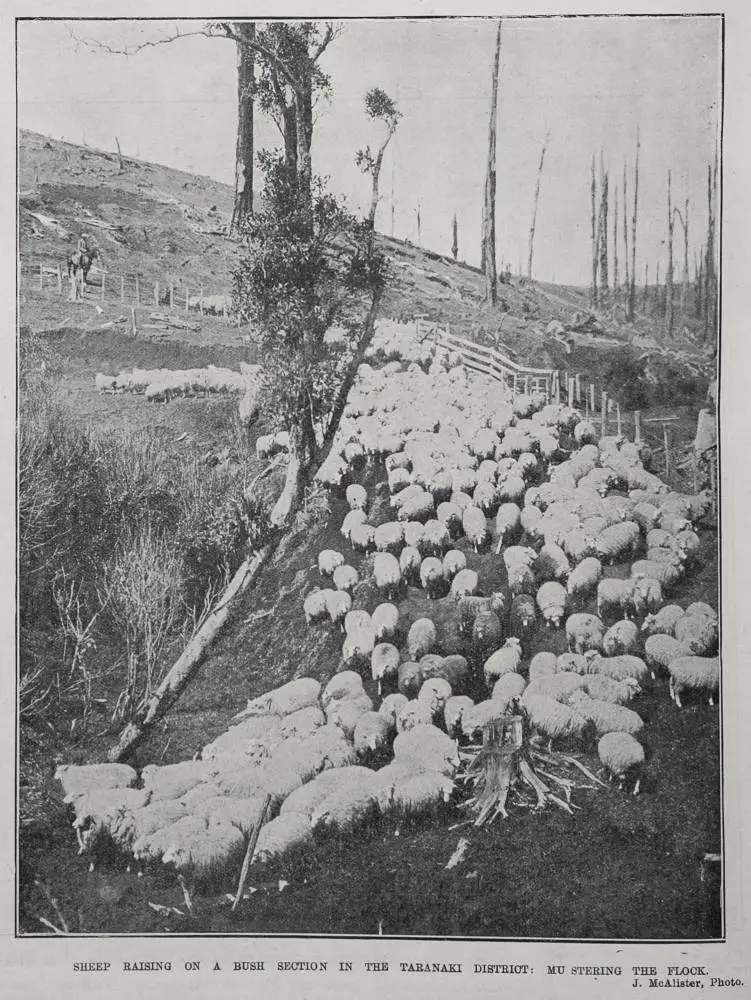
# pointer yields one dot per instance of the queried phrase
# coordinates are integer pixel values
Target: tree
(615, 249)
(487, 254)
(626, 284)
(595, 256)
(378, 107)
(246, 61)
(683, 219)
(669, 268)
(710, 278)
(455, 238)
(534, 209)
(603, 233)
(632, 290)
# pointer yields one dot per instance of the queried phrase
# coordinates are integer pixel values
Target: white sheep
(583, 579)
(345, 578)
(77, 779)
(413, 533)
(618, 599)
(357, 497)
(453, 711)
(351, 519)
(372, 733)
(417, 508)
(584, 632)
(475, 526)
(362, 538)
(344, 712)
(701, 609)
(384, 663)
(606, 716)
(171, 781)
(552, 600)
(341, 685)
(543, 664)
(426, 744)
(508, 688)
(419, 794)
(553, 719)
(358, 619)
(505, 660)
(698, 634)
(421, 638)
(663, 621)
(607, 689)
(451, 515)
(410, 678)
(559, 686)
(302, 723)
(385, 620)
(387, 573)
(621, 755)
(435, 692)
(288, 832)
(338, 605)
(465, 583)
(106, 811)
(622, 637)
(358, 645)
(398, 479)
(700, 674)
(617, 541)
(409, 564)
(453, 562)
(286, 699)
(618, 667)
(508, 522)
(431, 576)
(391, 705)
(315, 607)
(435, 540)
(660, 650)
(414, 713)
(306, 798)
(666, 574)
(328, 560)
(207, 852)
(389, 537)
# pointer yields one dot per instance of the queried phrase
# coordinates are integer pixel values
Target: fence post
(200, 301)
(133, 320)
(122, 288)
(557, 386)
(637, 426)
(138, 291)
(41, 277)
(526, 385)
(104, 281)
(171, 295)
(666, 441)
(156, 294)
(571, 393)
(59, 280)
(592, 407)
(618, 418)
(604, 405)
(577, 380)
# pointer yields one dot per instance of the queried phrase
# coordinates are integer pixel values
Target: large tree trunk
(603, 233)
(669, 268)
(593, 198)
(534, 210)
(684, 287)
(304, 125)
(488, 212)
(626, 284)
(632, 290)
(615, 249)
(244, 152)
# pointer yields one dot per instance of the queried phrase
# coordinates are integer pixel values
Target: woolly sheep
(431, 576)
(511, 489)
(387, 573)
(464, 583)
(288, 832)
(558, 686)
(605, 688)
(551, 564)
(583, 579)
(391, 705)
(698, 634)
(453, 562)
(660, 650)
(302, 723)
(398, 479)
(648, 593)
(414, 713)
(410, 678)
(358, 619)
(417, 508)
(505, 660)
(664, 621)
(306, 798)
(389, 537)
(645, 514)
(521, 580)
(385, 621)
(485, 497)
(618, 667)
(622, 637)
(372, 733)
(418, 794)
(475, 717)
(552, 600)
(617, 541)
(574, 663)
(341, 685)
(440, 485)
(542, 665)
(585, 433)
(351, 519)
(384, 661)
(666, 556)
(344, 712)
(409, 493)
(689, 543)
(583, 632)
(453, 668)
(460, 501)
(579, 544)
(453, 711)
(487, 634)
(78, 779)
(523, 616)
(421, 638)
(358, 645)
(409, 564)
(659, 538)
(431, 665)
(328, 560)
(435, 692)
(357, 497)
(508, 688)
(413, 533)
(314, 606)
(425, 747)
(553, 719)
(102, 811)
(398, 460)
(475, 526)
(617, 599)
(435, 539)
(606, 717)
(666, 574)
(148, 819)
(673, 524)
(699, 608)
(362, 539)
(345, 578)
(620, 754)
(208, 851)
(151, 846)
(508, 522)
(170, 781)
(338, 605)
(700, 674)
(450, 514)
(463, 481)
(531, 522)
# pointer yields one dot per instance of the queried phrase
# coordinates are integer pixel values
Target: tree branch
(332, 33)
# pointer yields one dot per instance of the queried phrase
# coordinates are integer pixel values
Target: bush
(625, 381)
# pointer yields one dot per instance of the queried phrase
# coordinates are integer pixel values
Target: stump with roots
(507, 764)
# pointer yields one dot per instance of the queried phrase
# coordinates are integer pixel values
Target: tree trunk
(534, 209)
(304, 126)
(455, 238)
(684, 287)
(376, 174)
(632, 290)
(488, 213)
(710, 286)
(645, 305)
(698, 304)
(289, 117)
(121, 164)
(593, 194)
(603, 235)
(615, 250)
(626, 284)
(244, 151)
(669, 269)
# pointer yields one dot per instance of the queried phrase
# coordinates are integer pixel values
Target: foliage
(378, 107)
(624, 378)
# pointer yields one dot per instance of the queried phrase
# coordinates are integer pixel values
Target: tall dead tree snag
(626, 284)
(669, 268)
(534, 208)
(683, 219)
(378, 107)
(710, 276)
(615, 249)
(454, 238)
(246, 62)
(603, 234)
(487, 254)
(632, 289)
(593, 199)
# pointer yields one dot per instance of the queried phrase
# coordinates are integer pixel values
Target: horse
(79, 265)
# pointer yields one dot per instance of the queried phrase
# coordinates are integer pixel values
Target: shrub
(624, 378)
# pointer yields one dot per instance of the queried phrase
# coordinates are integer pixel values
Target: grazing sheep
(584, 632)
(470, 606)
(453, 562)
(345, 578)
(357, 497)
(543, 665)
(475, 526)
(451, 515)
(355, 620)
(414, 713)
(427, 748)
(341, 685)
(78, 779)
(417, 508)
(660, 650)
(574, 663)
(436, 539)
(398, 460)
(645, 514)
(328, 560)
(106, 811)
(649, 594)
(431, 577)
(391, 705)
(385, 621)
(487, 634)
(151, 846)
(618, 541)
(690, 544)
(306, 798)
(413, 533)
(532, 522)
(508, 523)
(210, 851)
(475, 717)
(460, 501)
(464, 583)
(664, 621)
(700, 609)
(485, 497)
(523, 616)
(389, 537)
(409, 493)
(454, 669)
(384, 663)
(618, 667)
(699, 674)
(362, 537)
(551, 564)
(621, 755)
(344, 712)
(606, 716)
(302, 723)
(583, 579)
(623, 637)
(666, 574)
(435, 692)
(505, 660)
(315, 607)
(673, 524)
(351, 519)
(558, 686)
(338, 605)
(453, 712)
(511, 489)
(606, 689)
(171, 781)
(659, 538)
(345, 810)
(618, 599)
(410, 678)
(372, 733)
(358, 645)
(421, 638)
(409, 564)
(698, 634)
(508, 688)
(585, 433)
(552, 600)
(553, 719)
(398, 479)
(420, 794)
(387, 573)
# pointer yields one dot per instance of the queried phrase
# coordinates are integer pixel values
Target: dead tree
(246, 63)
(534, 208)
(487, 254)
(603, 233)
(683, 219)
(645, 300)
(699, 272)
(455, 238)
(378, 107)
(625, 232)
(593, 197)
(710, 279)
(615, 249)
(632, 290)
(669, 268)
(121, 163)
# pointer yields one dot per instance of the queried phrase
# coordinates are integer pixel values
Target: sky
(587, 82)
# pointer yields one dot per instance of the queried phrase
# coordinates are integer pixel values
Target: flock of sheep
(161, 385)
(571, 536)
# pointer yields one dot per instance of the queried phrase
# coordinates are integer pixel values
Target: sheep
(622, 637)
(302, 723)
(475, 717)
(606, 716)
(206, 852)
(288, 832)
(384, 662)
(618, 667)
(341, 685)
(435, 540)
(666, 556)
(552, 600)
(385, 621)
(518, 555)
(409, 564)
(332, 747)
(358, 645)
(106, 811)
(417, 508)
(460, 501)
(450, 514)
(398, 460)
(618, 599)
(344, 712)
(435, 692)
(470, 606)
(362, 538)
(690, 544)
(508, 688)
(558, 686)
(574, 663)
(372, 733)
(421, 638)
(418, 794)
(551, 564)
(505, 660)
(532, 522)
(645, 514)
(77, 779)
(358, 619)
(523, 616)
(338, 605)
(699, 674)
(475, 526)
(621, 755)
(648, 594)
(431, 665)
(314, 606)
(431, 576)
(427, 748)
(387, 573)
(553, 719)
(151, 846)
(617, 541)
(357, 497)
(508, 523)
(585, 433)
(414, 713)
(398, 479)
(306, 798)
(542, 665)
(408, 494)
(351, 519)
(171, 781)
(699, 608)
(664, 621)
(440, 485)
(487, 634)
(453, 562)
(410, 678)
(666, 574)
(328, 560)
(345, 578)
(464, 583)
(673, 524)
(584, 632)
(463, 481)
(453, 712)
(413, 534)
(521, 580)
(485, 497)
(453, 669)
(389, 537)
(698, 634)
(660, 650)
(659, 538)
(583, 579)
(391, 705)
(605, 688)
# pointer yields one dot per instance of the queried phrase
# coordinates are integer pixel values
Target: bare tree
(455, 238)
(378, 107)
(615, 249)
(645, 300)
(487, 254)
(603, 233)
(593, 198)
(699, 272)
(710, 278)
(534, 209)
(669, 269)
(626, 284)
(632, 290)
(683, 219)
